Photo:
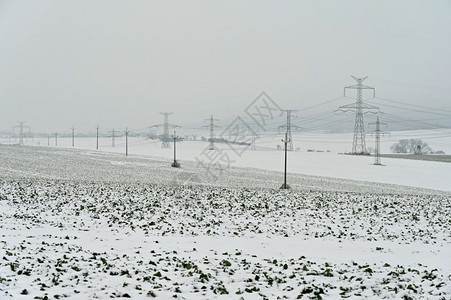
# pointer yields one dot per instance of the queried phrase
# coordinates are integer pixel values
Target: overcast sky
(120, 63)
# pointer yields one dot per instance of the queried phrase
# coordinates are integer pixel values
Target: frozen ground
(91, 224)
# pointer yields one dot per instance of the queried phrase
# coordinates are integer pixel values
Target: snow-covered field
(423, 174)
(91, 224)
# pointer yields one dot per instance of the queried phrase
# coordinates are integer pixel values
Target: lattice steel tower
(212, 133)
(165, 137)
(21, 127)
(288, 127)
(378, 133)
(358, 142)
(165, 143)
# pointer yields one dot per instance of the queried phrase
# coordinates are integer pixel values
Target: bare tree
(416, 146)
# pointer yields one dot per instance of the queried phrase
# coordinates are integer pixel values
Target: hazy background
(120, 63)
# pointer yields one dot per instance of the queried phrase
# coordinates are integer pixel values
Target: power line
(322, 103)
(412, 123)
(415, 110)
(414, 105)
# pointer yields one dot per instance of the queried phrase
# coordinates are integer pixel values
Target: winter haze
(120, 63)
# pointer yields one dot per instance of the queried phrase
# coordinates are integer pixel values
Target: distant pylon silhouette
(212, 126)
(165, 138)
(378, 133)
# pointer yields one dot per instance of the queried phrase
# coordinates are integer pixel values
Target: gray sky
(118, 63)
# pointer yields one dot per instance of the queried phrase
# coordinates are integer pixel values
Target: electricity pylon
(165, 138)
(21, 127)
(212, 132)
(378, 133)
(288, 127)
(358, 142)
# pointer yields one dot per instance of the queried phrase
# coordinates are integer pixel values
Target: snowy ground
(423, 174)
(90, 224)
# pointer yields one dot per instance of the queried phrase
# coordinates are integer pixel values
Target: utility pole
(378, 133)
(212, 126)
(165, 138)
(56, 139)
(113, 144)
(285, 141)
(288, 127)
(126, 141)
(73, 136)
(175, 164)
(48, 139)
(97, 144)
(358, 143)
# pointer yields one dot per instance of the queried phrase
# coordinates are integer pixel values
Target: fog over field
(225, 149)
(120, 63)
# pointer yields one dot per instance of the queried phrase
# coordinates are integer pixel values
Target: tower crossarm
(354, 106)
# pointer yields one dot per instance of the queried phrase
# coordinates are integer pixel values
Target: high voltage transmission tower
(358, 143)
(212, 133)
(113, 136)
(21, 127)
(378, 133)
(165, 138)
(288, 127)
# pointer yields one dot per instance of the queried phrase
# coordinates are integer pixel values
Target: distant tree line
(414, 146)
